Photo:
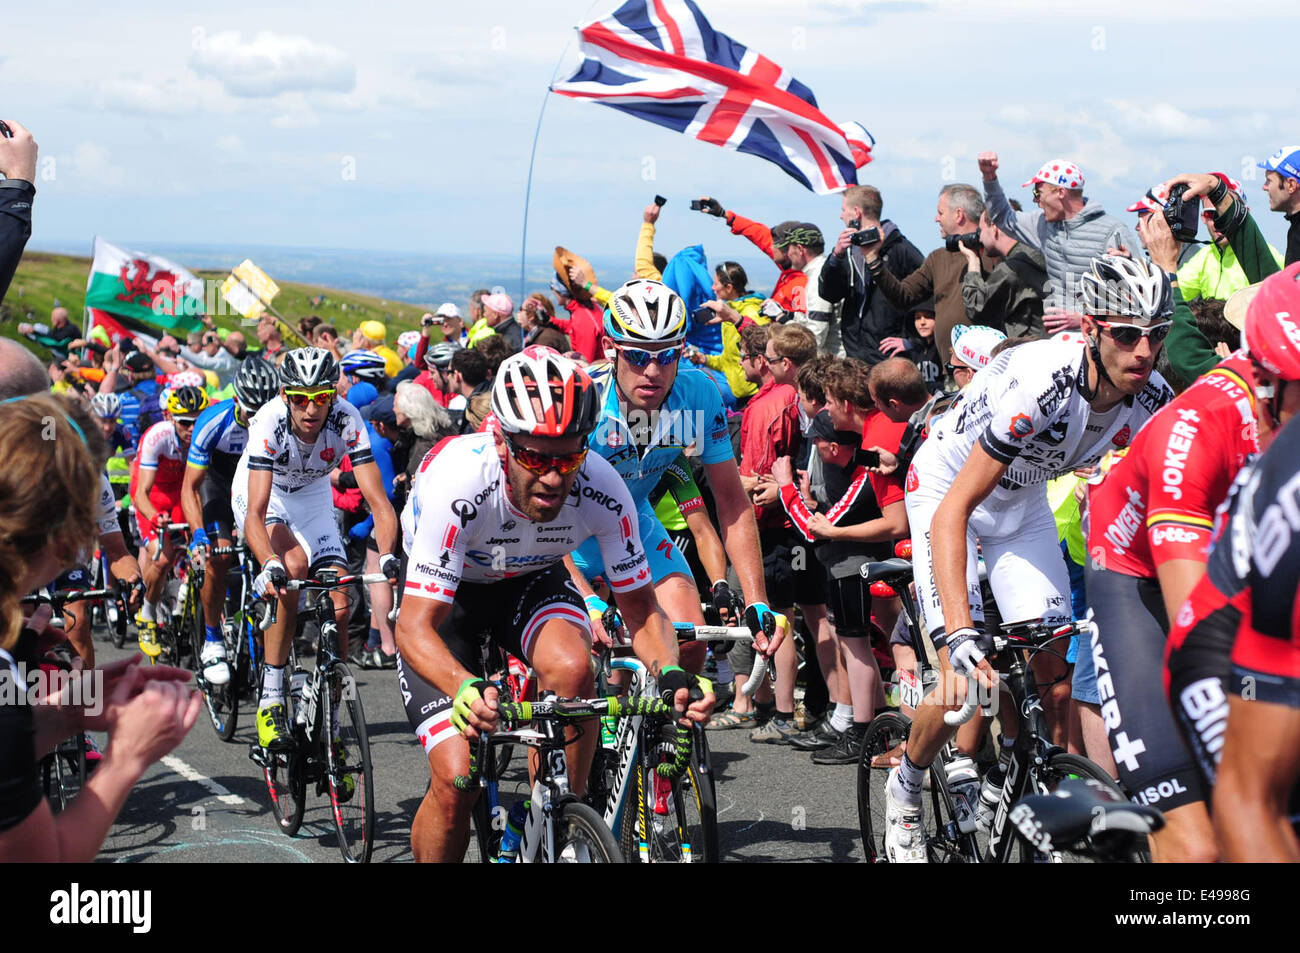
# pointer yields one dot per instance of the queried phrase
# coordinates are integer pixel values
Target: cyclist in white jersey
(1035, 412)
(491, 517)
(283, 505)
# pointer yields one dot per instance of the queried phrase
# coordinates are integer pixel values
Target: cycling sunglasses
(544, 463)
(320, 398)
(1127, 335)
(638, 357)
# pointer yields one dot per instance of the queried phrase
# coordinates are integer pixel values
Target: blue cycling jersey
(218, 441)
(692, 414)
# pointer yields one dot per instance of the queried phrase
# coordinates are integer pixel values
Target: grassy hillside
(44, 280)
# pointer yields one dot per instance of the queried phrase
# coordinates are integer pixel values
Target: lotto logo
(913, 481)
(1173, 534)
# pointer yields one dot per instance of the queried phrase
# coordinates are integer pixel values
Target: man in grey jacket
(209, 354)
(1068, 229)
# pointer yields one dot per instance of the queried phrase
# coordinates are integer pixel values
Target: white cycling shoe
(904, 828)
(213, 662)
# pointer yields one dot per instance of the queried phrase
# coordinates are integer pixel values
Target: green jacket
(1212, 273)
(1190, 352)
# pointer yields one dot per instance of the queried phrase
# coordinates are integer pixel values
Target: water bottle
(297, 681)
(991, 790)
(964, 786)
(306, 712)
(514, 832)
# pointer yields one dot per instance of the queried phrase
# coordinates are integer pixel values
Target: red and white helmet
(542, 393)
(1058, 172)
(1272, 333)
(1155, 200)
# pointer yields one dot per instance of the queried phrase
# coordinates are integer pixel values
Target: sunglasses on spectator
(638, 357)
(301, 398)
(544, 463)
(770, 359)
(753, 357)
(954, 368)
(1127, 335)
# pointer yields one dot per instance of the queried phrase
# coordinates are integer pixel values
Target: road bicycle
(1084, 817)
(241, 634)
(1037, 765)
(331, 746)
(558, 826)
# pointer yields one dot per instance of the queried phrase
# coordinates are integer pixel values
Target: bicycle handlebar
(320, 585)
(967, 710)
(62, 597)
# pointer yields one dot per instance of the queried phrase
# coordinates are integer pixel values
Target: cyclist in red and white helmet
(490, 519)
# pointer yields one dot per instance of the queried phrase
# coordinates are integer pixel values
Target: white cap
(973, 344)
(447, 310)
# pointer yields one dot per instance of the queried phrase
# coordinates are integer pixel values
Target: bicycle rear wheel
(286, 781)
(1060, 767)
(351, 781)
(581, 837)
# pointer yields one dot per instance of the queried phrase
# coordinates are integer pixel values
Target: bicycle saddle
(887, 569)
(1079, 808)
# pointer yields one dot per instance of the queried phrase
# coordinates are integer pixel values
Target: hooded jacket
(687, 273)
(867, 317)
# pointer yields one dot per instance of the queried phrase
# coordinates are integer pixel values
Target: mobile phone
(660, 200)
(866, 458)
(697, 205)
(5, 130)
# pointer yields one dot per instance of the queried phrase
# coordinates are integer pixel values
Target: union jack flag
(661, 61)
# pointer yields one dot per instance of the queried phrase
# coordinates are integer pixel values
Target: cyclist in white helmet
(1035, 412)
(654, 409)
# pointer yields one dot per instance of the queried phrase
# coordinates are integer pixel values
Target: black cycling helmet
(307, 367)
(256, 382)
(187, 402)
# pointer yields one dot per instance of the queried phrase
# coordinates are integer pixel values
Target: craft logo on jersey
(149, 289)
(1021, 426)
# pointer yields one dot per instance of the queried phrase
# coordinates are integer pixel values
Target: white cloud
(93, 167)
(143, 97)
(1160, 120)
(271, 64)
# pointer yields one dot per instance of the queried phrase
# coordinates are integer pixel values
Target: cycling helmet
(364, 365)
(1272, 332)
(309, 367)
(440, 355)
(1129, 290)
(645, 312)
(542, 393)
(186, 402)
(256, 382)
(106, 406)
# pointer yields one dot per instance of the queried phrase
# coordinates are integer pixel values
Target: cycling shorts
(162, 503)
(792, 573)
(663, 556)
(78, 577)
(309, 514)
(509, 613)
(848, 604)
(1128, 650)
(1021, 551)
(218, 515)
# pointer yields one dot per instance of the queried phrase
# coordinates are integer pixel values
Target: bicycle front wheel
(351, 781)
(286, 782)
(581, 837)
(1060, 767)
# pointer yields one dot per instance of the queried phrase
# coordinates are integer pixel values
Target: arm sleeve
(149, 450)
(15, 227)
(797, 510)
(421, 349)
(357, 439)
(1190, 352)
(681, 484)
(1248, 244)
(265, 441)
(437, 557)
(975, 294)
(756, 232)
(619, 535)
(602, 295)
(905, 292)
(1016, 415)
(1023, 225)
(1182, 492)
(643, 264)
(833, 282)
(716, 441)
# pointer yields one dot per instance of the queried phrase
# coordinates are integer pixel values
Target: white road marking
(190, 774)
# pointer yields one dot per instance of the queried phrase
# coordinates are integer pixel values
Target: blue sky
(408, 125)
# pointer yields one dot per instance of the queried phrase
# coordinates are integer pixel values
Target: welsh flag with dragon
(144, 287)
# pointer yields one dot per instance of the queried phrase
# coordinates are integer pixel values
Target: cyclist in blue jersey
(652, 411)
(219, 438)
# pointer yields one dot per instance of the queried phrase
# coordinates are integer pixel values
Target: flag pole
(532, 156)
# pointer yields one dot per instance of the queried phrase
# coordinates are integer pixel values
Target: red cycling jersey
(1158, 502)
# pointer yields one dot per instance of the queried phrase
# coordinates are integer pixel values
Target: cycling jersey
(460, 525)
(676, 495)
(1026, 409)
(161, 451)
(692, 414)
(1239, 631)
(293, 464)
(1158, 502)
(218, 441)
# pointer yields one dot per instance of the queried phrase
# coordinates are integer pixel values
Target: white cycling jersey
(461, 526)
(293, 464)
(1027, 411)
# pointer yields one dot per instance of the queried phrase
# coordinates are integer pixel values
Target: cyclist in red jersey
(1234, 640)
(157, 476)
(1149, 532)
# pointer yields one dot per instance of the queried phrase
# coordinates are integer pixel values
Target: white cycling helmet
(645, 312)
(309, 367)
(1127, 290)
(106, 406)
(541, 392)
